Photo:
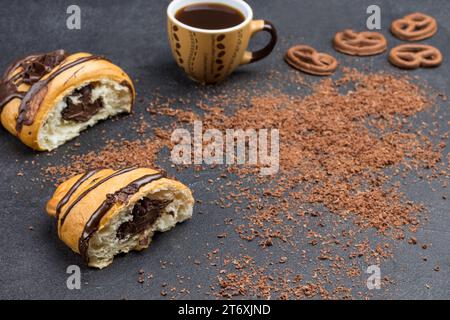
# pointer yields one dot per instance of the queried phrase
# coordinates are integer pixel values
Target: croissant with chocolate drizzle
(48, 99)
(106, 212)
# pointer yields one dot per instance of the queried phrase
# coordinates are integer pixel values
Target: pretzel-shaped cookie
(364, 43)
(309, 60)
(413, 27)
(413, 56)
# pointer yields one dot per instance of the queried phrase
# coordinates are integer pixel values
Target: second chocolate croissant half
(106, 212)
(48, 99)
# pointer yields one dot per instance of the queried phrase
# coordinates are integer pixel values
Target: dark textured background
(132, 34)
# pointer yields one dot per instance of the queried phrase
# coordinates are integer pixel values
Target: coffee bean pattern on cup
(210, 38)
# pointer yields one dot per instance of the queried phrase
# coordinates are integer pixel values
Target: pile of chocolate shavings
(116, 154)
(344, 151)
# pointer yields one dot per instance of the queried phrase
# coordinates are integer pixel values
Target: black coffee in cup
(211, 16)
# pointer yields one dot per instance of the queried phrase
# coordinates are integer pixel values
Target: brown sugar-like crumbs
(115, 155)
(337, 145)
(344, 148)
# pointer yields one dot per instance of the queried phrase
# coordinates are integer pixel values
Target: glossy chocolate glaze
(72, 190)
(32, 69)
(33, 98)
(94, 186)
(120, 196)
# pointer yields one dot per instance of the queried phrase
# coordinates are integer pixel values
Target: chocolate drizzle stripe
(94, 221)
(13, 66)
(38, 86)
(72, 190)
(32, 69)
(86, 192)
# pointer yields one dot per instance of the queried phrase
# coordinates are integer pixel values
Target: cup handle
(257, 26)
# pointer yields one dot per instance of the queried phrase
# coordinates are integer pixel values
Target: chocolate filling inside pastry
(131, 205)
(60, 96)
(80, 107)
(144, 213)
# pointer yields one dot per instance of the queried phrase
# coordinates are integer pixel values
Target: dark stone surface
(132, 34)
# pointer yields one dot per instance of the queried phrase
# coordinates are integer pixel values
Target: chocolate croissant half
(48, 99)
(106, 212)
